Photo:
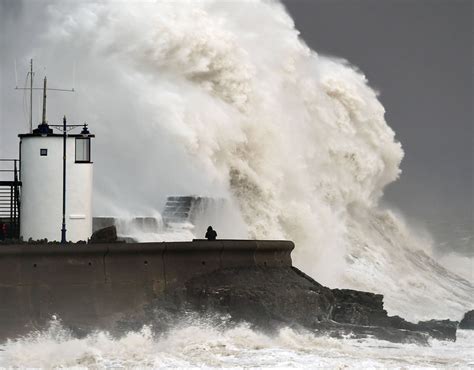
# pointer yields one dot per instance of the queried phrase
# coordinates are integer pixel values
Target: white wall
(41, 193)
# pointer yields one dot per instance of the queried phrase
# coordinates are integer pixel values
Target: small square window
(43, 152)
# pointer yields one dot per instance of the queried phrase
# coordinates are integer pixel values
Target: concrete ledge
(51, 249)
(273, 253)
(184, 260)
(90, 285)
(236, 254)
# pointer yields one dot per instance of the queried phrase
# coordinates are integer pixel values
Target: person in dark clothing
(211, 233)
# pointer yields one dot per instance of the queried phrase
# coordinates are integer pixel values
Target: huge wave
(224, 99)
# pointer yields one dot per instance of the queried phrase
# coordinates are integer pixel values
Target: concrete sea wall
(93, 285)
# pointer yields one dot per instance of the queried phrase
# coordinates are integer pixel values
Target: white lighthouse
(56, 176)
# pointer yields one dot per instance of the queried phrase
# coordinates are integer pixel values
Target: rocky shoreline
(272, 298)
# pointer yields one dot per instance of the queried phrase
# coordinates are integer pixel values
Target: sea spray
(198, 344)
(224, 100)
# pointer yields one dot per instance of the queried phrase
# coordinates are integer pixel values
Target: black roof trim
(54, 135)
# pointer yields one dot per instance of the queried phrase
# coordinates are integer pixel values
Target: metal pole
(44, 102)
(31, 95)
(63, 229)
(17, 202)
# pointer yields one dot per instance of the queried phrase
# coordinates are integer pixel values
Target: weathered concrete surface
(93, 285)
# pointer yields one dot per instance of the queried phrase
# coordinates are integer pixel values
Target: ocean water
(203, 346)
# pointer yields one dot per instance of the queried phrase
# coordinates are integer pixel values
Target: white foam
(203, 346)
(461, 265)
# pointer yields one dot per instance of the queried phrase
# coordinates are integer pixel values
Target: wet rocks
(439, 329)
(360, 308)
(105, 235)
(261, 296)
(468, 321)
(363, 308)
(270, 298)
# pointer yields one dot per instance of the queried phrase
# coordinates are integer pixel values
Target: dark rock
(339, 330)
(360, 308)
(126, 239)
(439, 329)
(363, 308)
(468, 321)
(269, 298)
(105, 235)
(260, 295)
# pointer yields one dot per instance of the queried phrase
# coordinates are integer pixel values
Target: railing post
(11, 212)
(17, 200)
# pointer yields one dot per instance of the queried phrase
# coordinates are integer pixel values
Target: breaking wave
(199, 345)
(223, 99)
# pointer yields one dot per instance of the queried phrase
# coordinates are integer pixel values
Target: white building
(41, 174)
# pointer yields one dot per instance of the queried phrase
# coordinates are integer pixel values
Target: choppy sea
(203, 346)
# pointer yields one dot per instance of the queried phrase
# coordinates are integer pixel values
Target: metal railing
(9, 167)
(9, 198)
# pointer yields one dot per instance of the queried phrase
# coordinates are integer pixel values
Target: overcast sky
(418, 54)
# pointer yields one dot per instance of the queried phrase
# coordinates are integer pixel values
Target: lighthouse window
(83, 149)
(43, 152)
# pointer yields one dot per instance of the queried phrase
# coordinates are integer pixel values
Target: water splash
(198, 344)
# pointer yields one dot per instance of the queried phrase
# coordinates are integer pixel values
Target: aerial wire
(16, 74)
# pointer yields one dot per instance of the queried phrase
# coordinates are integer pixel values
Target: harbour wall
(91, 286)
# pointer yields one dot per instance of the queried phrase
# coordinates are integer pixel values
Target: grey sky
(418, 54)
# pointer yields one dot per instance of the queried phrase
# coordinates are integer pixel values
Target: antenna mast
(31, 95)
(43, 121)
(44, 88)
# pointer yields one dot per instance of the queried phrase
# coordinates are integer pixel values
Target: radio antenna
(31, 74)
(16, 75)
(31, 95)
(74, 75)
